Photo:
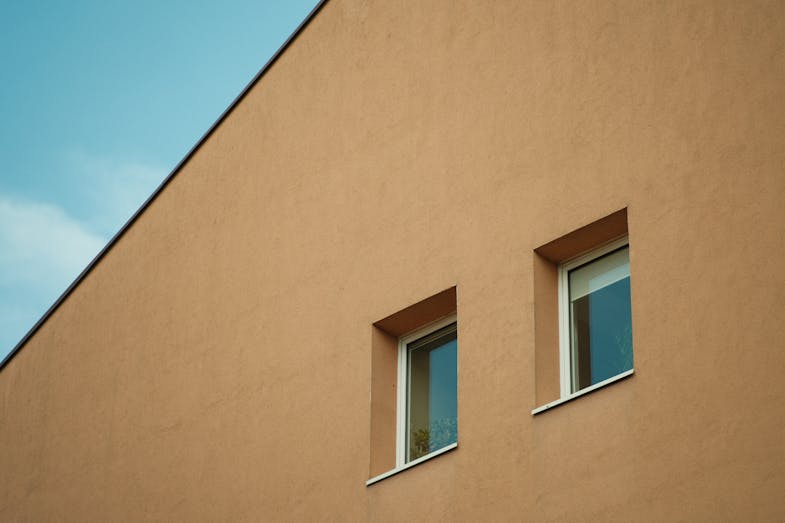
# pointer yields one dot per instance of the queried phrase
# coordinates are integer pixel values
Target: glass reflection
(601, 319)
(432, 394)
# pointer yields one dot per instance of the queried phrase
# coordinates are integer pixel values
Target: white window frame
(566, 357)
(403, 387)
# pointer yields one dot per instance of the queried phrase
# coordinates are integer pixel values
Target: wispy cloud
(44, 246)
(111, 189)
(42, 250)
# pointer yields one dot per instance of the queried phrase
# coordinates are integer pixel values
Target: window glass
(600, 319)
(432, 372)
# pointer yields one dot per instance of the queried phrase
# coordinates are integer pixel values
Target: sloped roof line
(162, 185)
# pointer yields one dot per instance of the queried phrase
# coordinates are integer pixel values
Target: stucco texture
(216, 364)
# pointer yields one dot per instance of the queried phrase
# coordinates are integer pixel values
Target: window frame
(402, 404)
(566, 356)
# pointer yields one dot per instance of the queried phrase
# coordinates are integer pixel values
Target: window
(582, 312)
(427, 391)
(595, 320)
(414, 385)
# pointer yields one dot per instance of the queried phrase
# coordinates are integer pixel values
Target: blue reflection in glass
(443, 415)
(432, 393)
(610, 331)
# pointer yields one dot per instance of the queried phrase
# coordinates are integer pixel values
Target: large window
(427, 391)
(595, 318)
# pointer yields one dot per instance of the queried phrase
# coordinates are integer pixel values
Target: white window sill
(411, 464)
(582, 392)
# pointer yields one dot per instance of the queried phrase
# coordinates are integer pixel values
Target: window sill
(411, 464)
(582, 392)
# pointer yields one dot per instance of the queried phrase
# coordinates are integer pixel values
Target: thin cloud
(42, 246)
(42, 250)
(45, 246)
(112, 189)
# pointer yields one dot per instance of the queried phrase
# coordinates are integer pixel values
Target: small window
(427, 391)
(595, 320)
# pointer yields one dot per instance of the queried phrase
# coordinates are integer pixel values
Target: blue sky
(99, 100)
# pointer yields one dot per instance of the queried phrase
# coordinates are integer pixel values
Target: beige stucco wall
(216, 364)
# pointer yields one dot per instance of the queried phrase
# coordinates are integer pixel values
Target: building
(234, 355)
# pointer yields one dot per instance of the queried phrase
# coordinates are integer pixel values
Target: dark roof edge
(162, 186)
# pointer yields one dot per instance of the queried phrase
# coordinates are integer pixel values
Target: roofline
(274, 58)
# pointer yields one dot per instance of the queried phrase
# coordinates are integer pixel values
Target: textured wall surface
(216, 364)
